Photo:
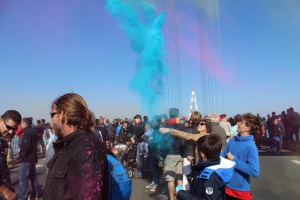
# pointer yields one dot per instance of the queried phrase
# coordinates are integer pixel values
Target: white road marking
(296, 161)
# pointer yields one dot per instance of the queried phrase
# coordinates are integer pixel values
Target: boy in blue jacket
(242, 150)
(210, 173)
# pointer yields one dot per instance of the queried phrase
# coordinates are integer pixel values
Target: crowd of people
(210, 157)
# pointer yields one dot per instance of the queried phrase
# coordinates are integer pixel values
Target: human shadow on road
(265, 151)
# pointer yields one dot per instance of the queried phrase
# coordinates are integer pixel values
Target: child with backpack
(210, 173)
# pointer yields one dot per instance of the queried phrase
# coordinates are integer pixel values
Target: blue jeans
(28, 172)
(278, 142)
(139, 159)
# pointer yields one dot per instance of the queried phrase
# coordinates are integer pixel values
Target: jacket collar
(173, 121)
(60, 143)
(241, 138)
(203, 164)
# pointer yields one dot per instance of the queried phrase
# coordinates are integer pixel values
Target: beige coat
(188, 136)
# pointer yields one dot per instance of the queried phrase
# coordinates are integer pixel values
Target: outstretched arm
(182, 134)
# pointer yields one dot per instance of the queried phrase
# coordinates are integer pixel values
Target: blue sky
(239, 57)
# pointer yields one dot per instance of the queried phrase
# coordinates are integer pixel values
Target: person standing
(20, 134)
(242, 150)
(140, 130)
(173, 162)
(110, 130)
(210, 174)
(40, 128)
(9, 122)
(217, 129)
(238, 120)
(277, 134)
(28, 159)
(226, 125)
(294, 118)
(79, 168)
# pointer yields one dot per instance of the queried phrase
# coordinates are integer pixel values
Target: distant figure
(238, 120)
(140, 130)
(146, 119)
(226, 125)
(110, 130)
(217, 129)
(40, 128)
(294, 119)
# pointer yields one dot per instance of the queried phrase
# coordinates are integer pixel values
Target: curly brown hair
(252, 121)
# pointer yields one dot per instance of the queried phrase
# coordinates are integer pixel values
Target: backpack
(119, 129)
(119, 183)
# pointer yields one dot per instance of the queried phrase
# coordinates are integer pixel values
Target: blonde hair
(195, 117)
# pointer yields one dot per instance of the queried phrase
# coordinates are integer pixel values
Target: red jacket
(20, 131)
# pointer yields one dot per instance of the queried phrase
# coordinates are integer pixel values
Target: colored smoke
(143, 28)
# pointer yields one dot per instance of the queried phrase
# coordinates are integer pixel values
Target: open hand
(164, 130)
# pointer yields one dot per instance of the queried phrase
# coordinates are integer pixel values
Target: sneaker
(154, 188)
(278, 153)
(146, 155)
(150, 186)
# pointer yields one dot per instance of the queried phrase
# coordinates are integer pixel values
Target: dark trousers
(153, 166)
(295, 130)
(287, 134)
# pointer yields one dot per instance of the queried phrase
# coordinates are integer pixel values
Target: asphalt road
(279, 179)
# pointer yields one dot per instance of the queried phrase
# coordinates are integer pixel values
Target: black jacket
(140, 130)
(124, 136)
(40, 129)
(101, 133)
(4, 174)
(274, 130)
(173, 143)
(212, 188)
(78, 169)
(28, 151)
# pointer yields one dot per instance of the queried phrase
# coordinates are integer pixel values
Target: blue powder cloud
(144, 29)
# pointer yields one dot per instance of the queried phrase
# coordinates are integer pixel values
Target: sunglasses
(9, 127)
(202, 124)
(52, 114)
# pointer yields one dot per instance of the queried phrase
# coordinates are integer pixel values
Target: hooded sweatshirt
(247, 161)
(209, 179)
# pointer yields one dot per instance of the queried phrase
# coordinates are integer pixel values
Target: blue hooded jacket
(247, 161)
(209, 180)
